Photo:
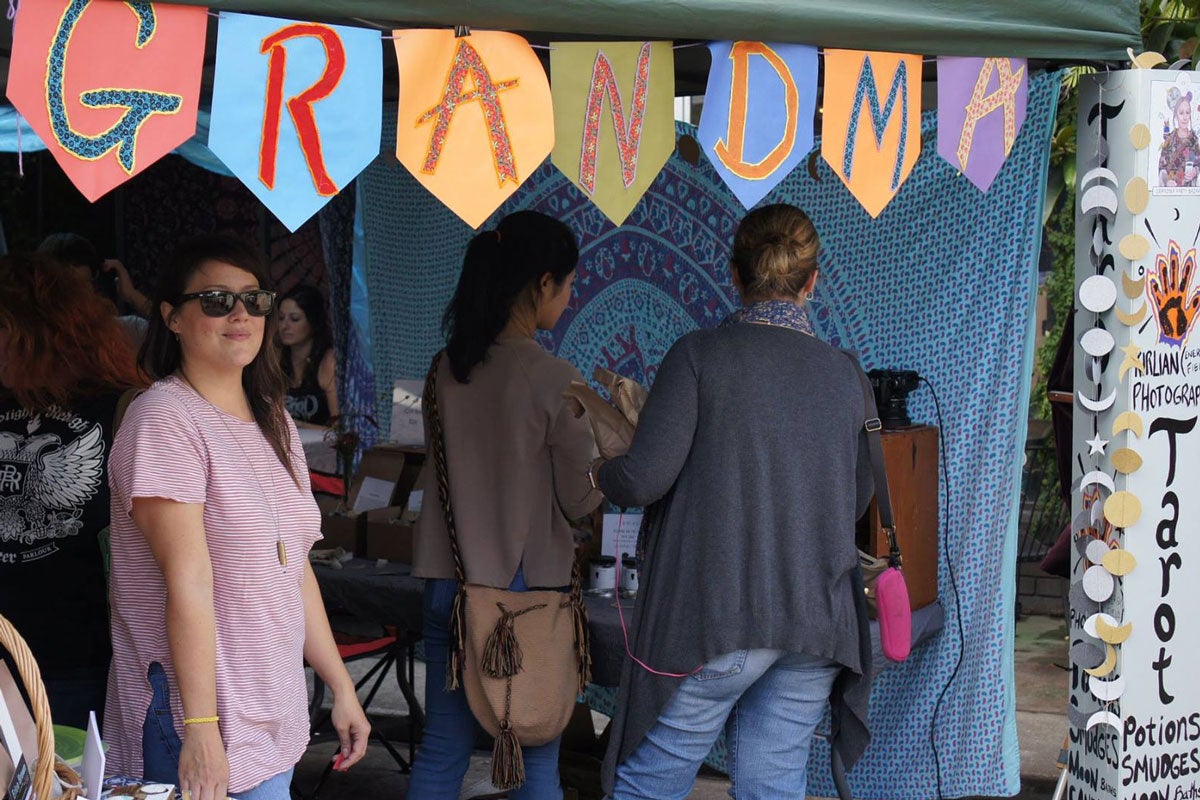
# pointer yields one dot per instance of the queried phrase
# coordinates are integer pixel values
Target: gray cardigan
(751, 457)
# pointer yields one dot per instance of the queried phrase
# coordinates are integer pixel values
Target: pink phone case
(895, 614)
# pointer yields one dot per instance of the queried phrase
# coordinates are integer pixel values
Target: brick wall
(1039, 593)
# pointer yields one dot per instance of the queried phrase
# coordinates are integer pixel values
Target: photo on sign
(1174, 164)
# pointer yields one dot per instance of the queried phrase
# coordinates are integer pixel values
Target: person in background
(215, 606)
(64, 364)
(752, 455)
(518, 460)
(108, 276)
(307, 356)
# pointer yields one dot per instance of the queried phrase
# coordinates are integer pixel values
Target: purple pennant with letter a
(981, 106)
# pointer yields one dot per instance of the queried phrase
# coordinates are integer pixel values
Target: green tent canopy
(1056, 30)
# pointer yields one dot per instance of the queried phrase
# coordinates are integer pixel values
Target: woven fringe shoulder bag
(521, 657)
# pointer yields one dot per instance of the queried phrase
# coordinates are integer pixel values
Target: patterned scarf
(783, 313)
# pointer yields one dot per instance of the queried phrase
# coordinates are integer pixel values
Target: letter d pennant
(296, 113)
(871, 134)
(758, 113)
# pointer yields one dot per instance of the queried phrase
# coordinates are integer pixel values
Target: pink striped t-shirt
(174, 444)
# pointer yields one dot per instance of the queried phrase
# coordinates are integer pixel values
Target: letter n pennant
(474, 117)
(758, 113)
(871, 131)
(296, 112)
(110, 87)
(614, 115)
(981, 106)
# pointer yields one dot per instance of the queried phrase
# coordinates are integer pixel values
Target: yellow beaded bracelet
(200, 720)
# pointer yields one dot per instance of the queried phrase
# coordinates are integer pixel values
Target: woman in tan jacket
(518, 460)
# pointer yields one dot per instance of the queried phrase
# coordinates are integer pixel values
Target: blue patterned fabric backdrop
(942, 282)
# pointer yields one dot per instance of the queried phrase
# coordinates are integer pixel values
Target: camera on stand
(892, 388)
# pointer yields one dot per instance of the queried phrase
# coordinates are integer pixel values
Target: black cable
(962, 639)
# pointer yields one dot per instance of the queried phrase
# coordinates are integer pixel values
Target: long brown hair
(64, 336)
(262, 379)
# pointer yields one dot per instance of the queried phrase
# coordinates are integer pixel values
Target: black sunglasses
(220, 302)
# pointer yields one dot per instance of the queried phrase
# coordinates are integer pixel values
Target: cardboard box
(378, 495)
(387, 537)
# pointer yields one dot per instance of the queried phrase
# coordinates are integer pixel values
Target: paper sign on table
(620, 534)
(92, 768)
(373, 493)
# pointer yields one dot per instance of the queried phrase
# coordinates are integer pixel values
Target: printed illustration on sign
(1174, 165)
(1172, 298)
(44, 482)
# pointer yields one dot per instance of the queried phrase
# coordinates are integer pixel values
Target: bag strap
(127, 397)
(883, 497)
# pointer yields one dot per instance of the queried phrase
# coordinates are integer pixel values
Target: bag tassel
(583, 647)
(502, 656)
(508, 762)
(458, 636)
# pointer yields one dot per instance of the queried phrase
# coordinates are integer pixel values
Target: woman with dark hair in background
(64, 363)
(751, 454)
(518, 459)
(108, 276)
(307, 356)
(215, 606)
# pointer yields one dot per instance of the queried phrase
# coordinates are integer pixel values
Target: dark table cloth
(389, 595)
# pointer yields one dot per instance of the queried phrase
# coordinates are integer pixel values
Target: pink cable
(625, 630)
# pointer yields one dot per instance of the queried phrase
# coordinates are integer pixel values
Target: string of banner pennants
(112, 86)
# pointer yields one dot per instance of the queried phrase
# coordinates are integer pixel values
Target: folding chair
(391, 651)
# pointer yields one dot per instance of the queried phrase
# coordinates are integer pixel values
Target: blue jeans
(450, 727)
(161, 745)
(769, 703)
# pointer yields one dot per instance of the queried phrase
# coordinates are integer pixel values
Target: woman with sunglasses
(215, 606)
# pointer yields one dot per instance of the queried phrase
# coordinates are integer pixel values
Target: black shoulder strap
(127, 397)
(883, 497)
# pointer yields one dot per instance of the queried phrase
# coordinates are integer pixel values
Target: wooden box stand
(911, 456)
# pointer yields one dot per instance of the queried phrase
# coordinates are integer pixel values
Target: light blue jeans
(769, 702)
(277, 788)
(450, 727)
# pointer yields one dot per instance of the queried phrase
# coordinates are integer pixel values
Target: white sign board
(1135, 638)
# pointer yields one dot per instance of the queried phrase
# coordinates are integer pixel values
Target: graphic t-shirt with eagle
(53, 506)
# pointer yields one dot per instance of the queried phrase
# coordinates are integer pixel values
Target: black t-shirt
(307, 402)
(54, 503)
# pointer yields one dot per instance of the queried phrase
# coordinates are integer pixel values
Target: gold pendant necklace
(280, 545)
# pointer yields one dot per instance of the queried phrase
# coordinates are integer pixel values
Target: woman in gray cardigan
(751, 459)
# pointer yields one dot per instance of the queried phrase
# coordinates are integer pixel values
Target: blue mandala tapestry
(942, 282)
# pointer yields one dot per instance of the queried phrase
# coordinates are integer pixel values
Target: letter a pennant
(871, 134)
(295, 113)
(474, 117)
(981, 106)
(110, 87)
(775, 86)
(614, 115)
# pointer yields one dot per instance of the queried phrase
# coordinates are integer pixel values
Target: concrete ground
(1040, 658)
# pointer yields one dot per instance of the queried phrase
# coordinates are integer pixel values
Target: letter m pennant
(871, 133)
